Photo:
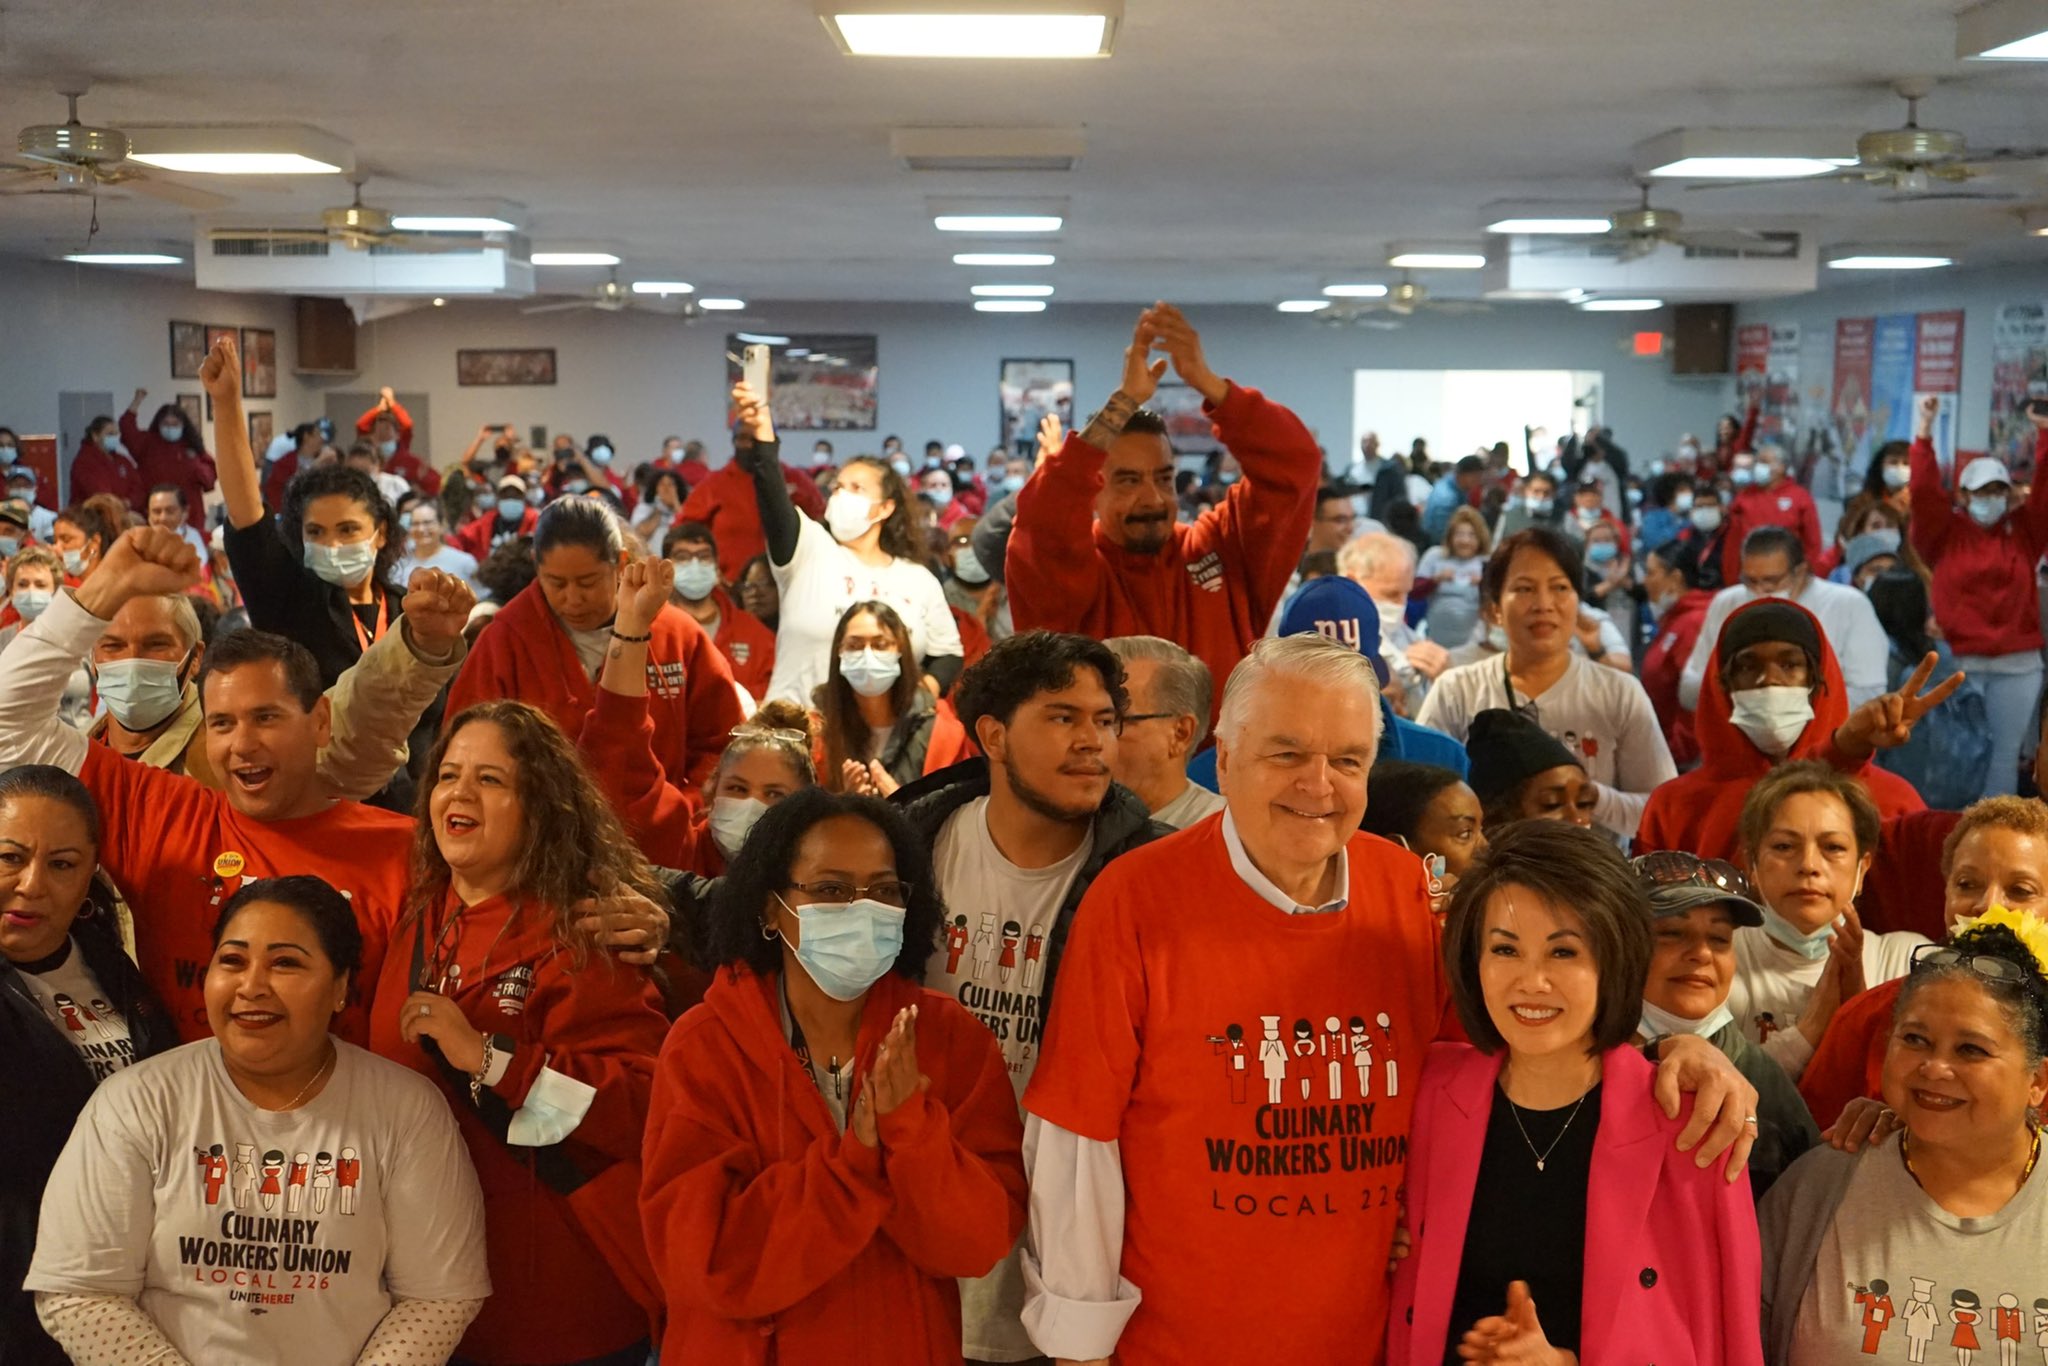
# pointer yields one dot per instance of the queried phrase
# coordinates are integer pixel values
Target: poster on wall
(817, 384)
(2019, 372)
(1883, 368)
(1767, 374)
(1188, 427)
(1029, 390)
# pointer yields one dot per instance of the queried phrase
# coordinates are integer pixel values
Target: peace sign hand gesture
(1887, 722)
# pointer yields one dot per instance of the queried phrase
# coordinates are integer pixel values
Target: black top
(1528, 1225)
(285, 597)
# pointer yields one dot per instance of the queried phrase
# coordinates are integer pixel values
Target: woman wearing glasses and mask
(1935, 1234)
(1696, 906)
(830, 1145)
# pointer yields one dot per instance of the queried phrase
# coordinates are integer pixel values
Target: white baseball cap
(1984, 470)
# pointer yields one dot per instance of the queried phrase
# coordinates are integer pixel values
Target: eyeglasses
(1675, 868)
(1149, 716)
(1988, 966)
(889, 891)
(777, 733)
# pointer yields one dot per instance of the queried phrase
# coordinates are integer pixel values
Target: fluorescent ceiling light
(663, 287)
(235, 163)
(123, 258)
(2004, 31)
(1620, 305)
(1011, 291)
(231, 149)
(1550, 227)
(1355, 291)
(1437, 260)
(1878, 261)
(428, 223)
(1009, 306)
(762, 338)
(972, 28)
(1746, 168)
(1003, 258)
(1744, 153)
(722, 305)
(574, 258)
(998, 222)
(1303, 305)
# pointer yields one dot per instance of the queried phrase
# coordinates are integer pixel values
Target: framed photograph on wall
(532, 365)
(259, 363)
(188, 349)
(1029, 389)
(194, 406)
(817, 384)
(259, 433)
(1187, 427)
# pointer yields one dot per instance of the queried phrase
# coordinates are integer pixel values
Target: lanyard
(363, 638)
(803, 1050)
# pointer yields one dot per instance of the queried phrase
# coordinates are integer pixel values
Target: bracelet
(483, 1067)
(632, 640)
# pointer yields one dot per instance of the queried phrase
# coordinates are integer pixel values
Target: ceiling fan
(1402, 301)
(356, 226)
(1635, 233)
(1914, 162)
(77, 159)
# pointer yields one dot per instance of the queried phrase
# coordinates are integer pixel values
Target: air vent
(988, 149)
(256, 246)
(1764, 246)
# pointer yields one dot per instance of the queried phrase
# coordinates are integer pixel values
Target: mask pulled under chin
(1812, 946)
(1660, 1023)
(1772, 718)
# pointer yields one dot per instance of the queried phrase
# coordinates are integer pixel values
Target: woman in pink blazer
(1553, 1219)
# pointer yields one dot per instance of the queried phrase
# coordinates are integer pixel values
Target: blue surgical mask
(74, 562)
(7, 455)
(112, 442)
(30, 603)
(1659, 1023)
(1812, 947)
(171, 431)
(1602, 552)
(847, 949)
(1742, 476)
(139, 692)
(901, 466)
(577, 486)
(696, 578)
(939, 497)
(967, 566)
(1538, 507)
(870, 672)
(387, 449)
(733, 819)
(9, 547)
(344, 565)
(1014, 483)
(601, 454)
(1987, 512)
(512, 509)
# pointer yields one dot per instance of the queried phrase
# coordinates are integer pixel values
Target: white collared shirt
(1248, 872)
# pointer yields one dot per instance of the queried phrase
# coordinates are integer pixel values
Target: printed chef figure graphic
(1921, 1319)
(956, 943)
(68, 1008)
(1230, 1046)
(1333, 1048)
(1393, 1066)
(1304, 1047)
(1007, 964)
(323, 1180)
(273, 1178)
(1965, 1312)
(1034, 945)
(1272, 1057)
(1875, 1300)
(245, 1175)
(2041, 1328)
(2008, 1323)
(1361, 1056)
(295, 1198)
(213, 1162)
(984, 946)
(1766, 1025)
(101, 1014)
(347, 1173)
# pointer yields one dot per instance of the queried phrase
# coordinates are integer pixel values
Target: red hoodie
(554, 1298)
(1984, 593)
(1213, 587)
(748, 646)
(478, 535)
(1783, 504)
(403, 462)
(98, 471)
(1677, 631)
(778, 1238)
(525, 653)
(1701, 811)
(726, 503)
(170, 462)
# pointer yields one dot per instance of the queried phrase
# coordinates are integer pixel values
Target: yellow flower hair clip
(2029, 928)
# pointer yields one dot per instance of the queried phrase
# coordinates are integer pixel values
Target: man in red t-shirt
(1179, 1212)
(739, 635)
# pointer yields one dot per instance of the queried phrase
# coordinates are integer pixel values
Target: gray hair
(1364, 557)
(183, 618)
(1308, 658)
(1183, 684)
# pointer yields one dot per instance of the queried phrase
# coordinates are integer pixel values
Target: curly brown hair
(572, 846)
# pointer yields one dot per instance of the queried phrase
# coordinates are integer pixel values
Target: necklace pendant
(1539, 1164)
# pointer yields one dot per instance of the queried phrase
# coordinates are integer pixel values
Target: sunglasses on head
(1990, 967)
(1675, 868)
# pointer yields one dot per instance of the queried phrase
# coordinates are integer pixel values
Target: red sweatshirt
(780, 1239)
(1677, 632)
(1701, 811)
(404, 464)
(725, 502)
(1905, 889)
(748, 646)
(1850, 1060)
(1213, 587)
(478, 536)
(1985, 596)
(170, 462)
(96, 471)
(1783, 504)
(277, 477)
(553, 1297)
(664, 819)
(525, 653)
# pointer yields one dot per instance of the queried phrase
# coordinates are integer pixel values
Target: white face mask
(1987, 512)
(1664, 602)
(29, 603)
(1659, 1023)
(1742, 476)
(1897, 477)
(1772, 718)
(344, 565)
(848, 515)
(139, 692)
(695, 579)
(732, 818)
(1681, 502)
(1706, 519)
(870, 672)
(74, 562)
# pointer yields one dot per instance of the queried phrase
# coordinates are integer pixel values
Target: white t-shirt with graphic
(991, 958)
(822, 579)
(1773, 985)
(252, 1236)
(76, 1004)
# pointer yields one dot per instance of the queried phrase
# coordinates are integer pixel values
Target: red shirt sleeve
(2033, 514)
(1090, 1059)
(1264, 521)
(1052, 569)
(714, 707)
(618, 741)
(1934, 515)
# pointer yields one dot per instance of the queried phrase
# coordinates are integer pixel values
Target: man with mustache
(1017, 838)
(1210, 586)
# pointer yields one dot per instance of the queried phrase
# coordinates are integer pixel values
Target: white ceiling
(1238, 151)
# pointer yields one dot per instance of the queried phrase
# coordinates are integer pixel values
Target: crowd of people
(512, 911)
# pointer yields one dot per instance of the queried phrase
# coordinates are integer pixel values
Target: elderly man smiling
(1219, 1122)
